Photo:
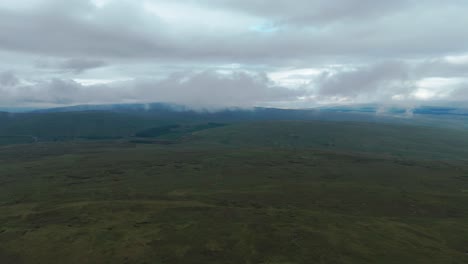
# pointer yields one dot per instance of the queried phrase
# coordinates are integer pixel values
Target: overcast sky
(215, 53)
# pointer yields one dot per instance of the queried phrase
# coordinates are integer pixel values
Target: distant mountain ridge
(148, 107)
(128, 120)
(420, 110)
(113, 107)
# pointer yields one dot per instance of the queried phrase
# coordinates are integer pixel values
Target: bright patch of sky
(457, 59)
(294, 78)
(91, 82)
(189, 16)
(100, 3)
(264, 28)
(436, 88)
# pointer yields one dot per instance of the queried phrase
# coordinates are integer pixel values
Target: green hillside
(109, 202)
(149, 190)
(73, 124)
(385, 139)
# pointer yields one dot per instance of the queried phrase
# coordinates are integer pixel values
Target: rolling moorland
(264, 186)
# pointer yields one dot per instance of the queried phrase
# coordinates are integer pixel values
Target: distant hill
(173, 121)
(429, 115)
(114, 107)
(420, 110)
(116, 121)
(148, 107)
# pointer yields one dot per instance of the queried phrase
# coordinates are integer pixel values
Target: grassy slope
(52, 126)
(62, 126)
(247, 200)
(394, 140)
(114, 124)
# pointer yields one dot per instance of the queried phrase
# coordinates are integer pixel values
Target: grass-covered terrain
(58, 125)
(261, 192)
(396, 140)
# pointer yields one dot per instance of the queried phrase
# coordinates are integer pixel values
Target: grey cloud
(74, 65)
(58, 92)
(381, 79)
(81, 65)
(54, 91)
(202, 89)
(124, 41)
(215, 89)
(62, 30)
(378, 28)
(311, 11)
(8, 79)
(393, 81)
(441, 68)
(460, 93)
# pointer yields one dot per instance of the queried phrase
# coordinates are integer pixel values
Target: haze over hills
(367, 108)
(140, 116)
(431, 132)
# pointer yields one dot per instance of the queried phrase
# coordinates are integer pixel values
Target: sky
(233, 53)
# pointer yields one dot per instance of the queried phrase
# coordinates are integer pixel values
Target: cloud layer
(233, 52)
(196, 89)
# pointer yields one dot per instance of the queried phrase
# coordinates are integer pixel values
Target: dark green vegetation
(55, 125)
(394, 140)
(260, 192)
(175, 131)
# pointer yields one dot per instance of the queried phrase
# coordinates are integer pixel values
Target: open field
(217, 197)
(395, 140)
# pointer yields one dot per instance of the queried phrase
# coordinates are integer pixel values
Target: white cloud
(93, 82)
(100, 3)
(457, 59)
(294, 77)
(436, 88)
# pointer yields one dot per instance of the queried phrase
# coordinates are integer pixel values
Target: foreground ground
(121, 202)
